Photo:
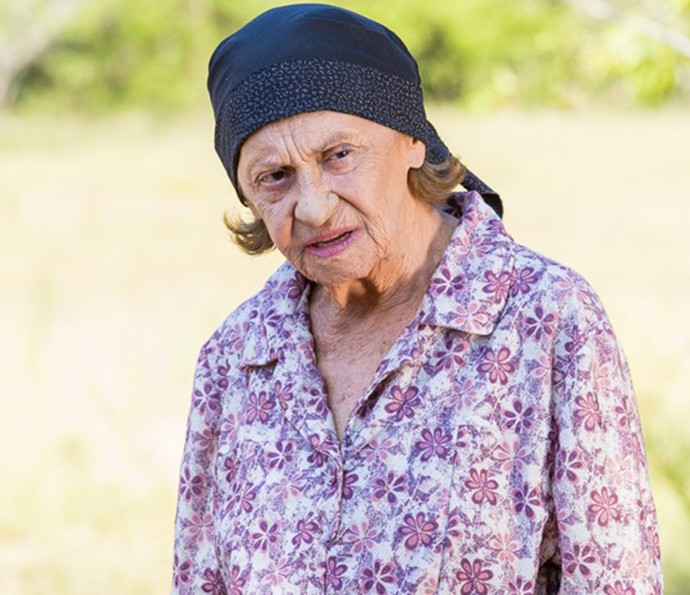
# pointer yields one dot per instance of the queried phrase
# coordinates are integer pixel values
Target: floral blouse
(497, 449)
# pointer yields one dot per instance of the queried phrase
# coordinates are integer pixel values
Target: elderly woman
(413, 403)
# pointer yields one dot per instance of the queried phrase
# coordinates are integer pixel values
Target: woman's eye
(339, 157)
(273, 177)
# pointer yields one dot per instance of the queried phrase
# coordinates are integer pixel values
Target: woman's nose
(315, 204)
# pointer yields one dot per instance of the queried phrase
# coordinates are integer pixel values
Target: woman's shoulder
(245, 329)
(540, 280)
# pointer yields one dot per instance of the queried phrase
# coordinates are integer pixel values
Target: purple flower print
(653, 540)
(604, 507)
(417, 530)
(231, 465)
(191, 487)
(247, 497)
(259, 407)
(473, 313)
(627, 415)
(497, 365)
(495, 226)
(523, 457)
(206, 397)
(506, 547)
(362, 536)
(273, 319)
(378, 578)
(540, 323)
(294, 289)
(237, 581)
(576, 287)
(526, 499)
(569, 464)
(444, 283)
(521, 587)
(236, 336)
(305, 530)
(542, 369)
(579, 560)
(473, 577)
(638, 450)
(433, 443)
(588, 411)
(454, 528)
(266, 536)
(577, 341)
(635, 563)
(181, 572)
(205, 439)
(283, 394)
(518, 418)
(222, 377)
(199, 527)
(621, 469)
(334, 573)
(213, 582)
(429, 586)
(523, 280)
(388, 486)
(505, 453)
(497, 286)
(448, 357)
(481, 245)
(318, 456)
(381, 450)
(403, 403)
(228, 428)
(277, 572)
(618, 588)
(284, 453)
(482, 486)
(209, 349)
(349, 479)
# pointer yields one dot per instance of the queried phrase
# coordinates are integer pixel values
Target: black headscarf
(313, 57)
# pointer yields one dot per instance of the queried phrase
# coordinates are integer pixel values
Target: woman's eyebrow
(348, 136)
(263, 162)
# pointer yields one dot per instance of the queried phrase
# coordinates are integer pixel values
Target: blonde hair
(431, 184)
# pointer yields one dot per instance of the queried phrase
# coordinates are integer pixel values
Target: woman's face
(332, 190)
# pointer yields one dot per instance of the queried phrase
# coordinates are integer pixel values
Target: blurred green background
(115, 267)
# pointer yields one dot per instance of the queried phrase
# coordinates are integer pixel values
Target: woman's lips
(328, 245)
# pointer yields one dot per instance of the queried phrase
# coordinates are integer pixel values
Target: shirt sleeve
(196, 568)
(606, 527)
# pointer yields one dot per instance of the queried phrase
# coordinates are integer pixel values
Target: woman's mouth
(332, 241)
(331, 245)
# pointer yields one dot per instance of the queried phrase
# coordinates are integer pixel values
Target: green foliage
(124, 52)
(479, 53)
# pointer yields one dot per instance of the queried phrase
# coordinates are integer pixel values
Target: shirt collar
(280, 316)
(467, 291)
(471, 283)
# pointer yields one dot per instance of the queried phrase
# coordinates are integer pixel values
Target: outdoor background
(115, 267)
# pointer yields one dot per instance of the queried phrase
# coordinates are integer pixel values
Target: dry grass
(114, 267)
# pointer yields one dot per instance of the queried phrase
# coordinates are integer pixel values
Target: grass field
(114, 267)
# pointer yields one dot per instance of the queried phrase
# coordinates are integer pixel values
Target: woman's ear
(416, 154)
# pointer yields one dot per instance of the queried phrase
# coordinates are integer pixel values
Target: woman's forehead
(310, 133)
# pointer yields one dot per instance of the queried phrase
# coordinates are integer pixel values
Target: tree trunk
(27, 29)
